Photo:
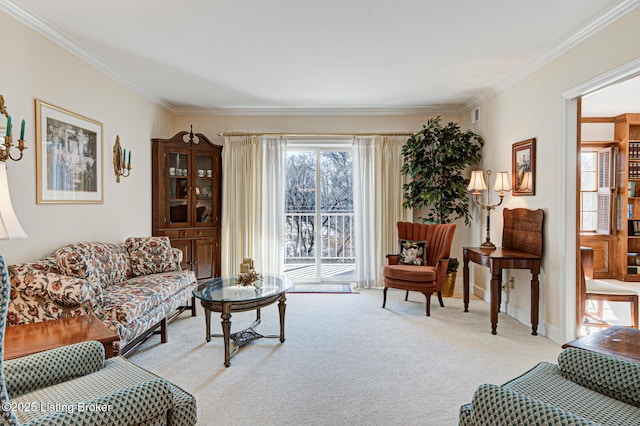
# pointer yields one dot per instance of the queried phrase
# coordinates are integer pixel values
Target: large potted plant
(435, 159)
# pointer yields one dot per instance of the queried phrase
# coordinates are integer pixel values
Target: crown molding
(322, 111)
(34, 22)
(586, 31)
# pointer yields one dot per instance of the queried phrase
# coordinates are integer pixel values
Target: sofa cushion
(104, 264)
(151, 255)
(410, 273)
(132, 394)
(495, 405)
(545, 383)
(614, 377)
(127, 301)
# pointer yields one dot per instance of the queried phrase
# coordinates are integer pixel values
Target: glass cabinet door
(204, 169)
(178, 171)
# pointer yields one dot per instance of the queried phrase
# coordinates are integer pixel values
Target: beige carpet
(347, 361)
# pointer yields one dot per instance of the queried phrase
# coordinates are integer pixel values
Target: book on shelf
(634, 150)
(630, 211)
(632, 189)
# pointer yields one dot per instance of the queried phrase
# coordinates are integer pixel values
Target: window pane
(336, 181)
(300, 192)
(589, 201)
(588, 181)
(588, 161)
(589, 221)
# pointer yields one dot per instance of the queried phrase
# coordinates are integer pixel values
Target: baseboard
(522, 315)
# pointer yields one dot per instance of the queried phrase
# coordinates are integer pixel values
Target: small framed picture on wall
(523, 167)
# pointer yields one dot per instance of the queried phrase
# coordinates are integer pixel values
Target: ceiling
(293, 56)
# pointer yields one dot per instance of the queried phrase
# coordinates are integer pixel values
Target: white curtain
(253, 207)
(242, 203)
(389, 208)
(273, 188)
(364, 211)
(378, 197)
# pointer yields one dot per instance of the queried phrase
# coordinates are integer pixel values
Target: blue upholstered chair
(76, 385)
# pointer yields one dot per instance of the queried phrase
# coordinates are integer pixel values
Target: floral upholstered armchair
(75, 385)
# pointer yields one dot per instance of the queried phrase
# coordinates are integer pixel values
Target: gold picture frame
(523, 167)
(69, 157)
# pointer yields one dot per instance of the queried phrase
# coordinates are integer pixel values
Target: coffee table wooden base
(247, 335)
(27, 339)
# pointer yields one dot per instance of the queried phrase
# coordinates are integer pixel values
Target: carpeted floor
(347, 361)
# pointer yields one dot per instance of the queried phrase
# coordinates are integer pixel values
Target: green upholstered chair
(584, 388)
(76, 385)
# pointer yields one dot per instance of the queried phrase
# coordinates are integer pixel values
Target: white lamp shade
(9, 226)
(476, 183)
(502, 182)
(525, 185)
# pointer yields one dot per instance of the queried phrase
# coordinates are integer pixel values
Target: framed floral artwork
(68, 156)
(523, 168)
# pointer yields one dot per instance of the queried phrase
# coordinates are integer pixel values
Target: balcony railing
(337, 253)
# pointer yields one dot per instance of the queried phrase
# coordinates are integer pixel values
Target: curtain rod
(314, 135)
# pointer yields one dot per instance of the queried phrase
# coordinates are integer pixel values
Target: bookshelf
(627, 251)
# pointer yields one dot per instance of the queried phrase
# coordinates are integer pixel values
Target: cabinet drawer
(188, 233)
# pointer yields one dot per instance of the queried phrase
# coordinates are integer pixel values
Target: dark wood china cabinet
(187, 199)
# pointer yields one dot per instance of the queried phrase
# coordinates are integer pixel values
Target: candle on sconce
(9, 126)
(22, 130)
(129, 157)
(124, 156)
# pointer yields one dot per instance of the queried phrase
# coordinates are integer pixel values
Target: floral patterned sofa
(131, 287)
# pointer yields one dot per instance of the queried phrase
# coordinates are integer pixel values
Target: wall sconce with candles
(477, 185)
(121, 164)
(5, 148)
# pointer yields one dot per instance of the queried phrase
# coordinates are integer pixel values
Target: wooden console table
(27, 339)
(497, 260)
(521, 249)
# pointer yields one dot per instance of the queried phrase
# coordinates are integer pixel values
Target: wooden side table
(27, 339)
(496, 260)
(616, 341)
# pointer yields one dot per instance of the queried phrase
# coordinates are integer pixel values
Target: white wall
(32, 68)
(533, 107)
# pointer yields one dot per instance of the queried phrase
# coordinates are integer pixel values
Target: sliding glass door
(319, 229)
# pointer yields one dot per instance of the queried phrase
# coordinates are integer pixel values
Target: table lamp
(478, 185)
(10, 228)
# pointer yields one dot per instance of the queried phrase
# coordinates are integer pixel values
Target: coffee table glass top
(225, 289)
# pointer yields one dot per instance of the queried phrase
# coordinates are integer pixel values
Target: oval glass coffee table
(224, 295)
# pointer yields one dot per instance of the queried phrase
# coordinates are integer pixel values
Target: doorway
(600, 99)
(319, 235)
